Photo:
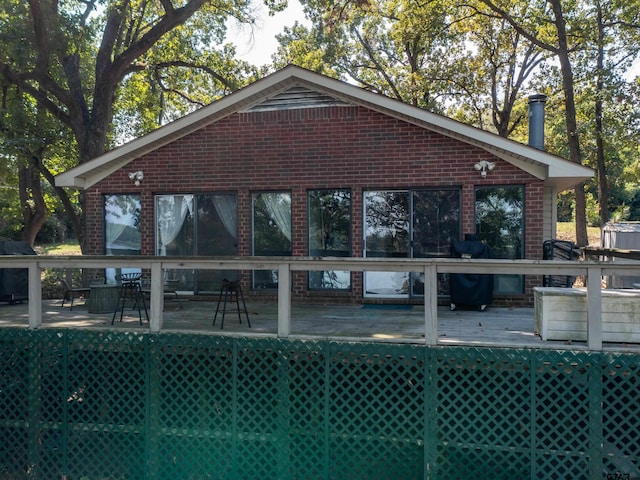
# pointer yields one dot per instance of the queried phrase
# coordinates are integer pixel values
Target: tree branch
(512, 21)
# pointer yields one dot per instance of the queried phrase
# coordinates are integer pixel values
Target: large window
(270, 232)
(329, 235)
(499, 213)
(198, 225)
(408, 224)
(121, 230)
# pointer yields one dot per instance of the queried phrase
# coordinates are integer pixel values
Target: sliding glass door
(408, 224)
(197, 225)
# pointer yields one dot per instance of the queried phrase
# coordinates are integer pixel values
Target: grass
(64, 249)
(567, 231)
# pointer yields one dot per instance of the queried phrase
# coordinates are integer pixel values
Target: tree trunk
(34, 209)
(75, 217)
(603, 185)
(570, 119)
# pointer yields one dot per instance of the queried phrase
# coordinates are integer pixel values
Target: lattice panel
(15, 385)
(262, 409)
(306, 371)
(483, 420)
(106, 399)
(376, 412)
(562, 413)
(621, 415)
(115, 405)
(192, 406)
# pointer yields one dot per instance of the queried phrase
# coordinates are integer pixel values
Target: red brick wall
(297, 150)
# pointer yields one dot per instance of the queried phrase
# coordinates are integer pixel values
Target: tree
(494, 73)
(77, 59)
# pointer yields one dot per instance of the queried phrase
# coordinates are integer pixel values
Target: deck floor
(503, 327)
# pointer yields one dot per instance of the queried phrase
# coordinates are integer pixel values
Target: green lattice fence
(113, 405)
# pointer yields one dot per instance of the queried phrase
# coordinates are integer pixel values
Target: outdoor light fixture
(136, 177)
(483, 167)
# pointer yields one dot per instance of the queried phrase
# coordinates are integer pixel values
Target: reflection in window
(122, 230)
(329, 235)
(499, 213)
(387, 219)
(419, 223)
(436, 225)
(271, 232)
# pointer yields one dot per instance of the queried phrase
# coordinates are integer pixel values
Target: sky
(257, 46)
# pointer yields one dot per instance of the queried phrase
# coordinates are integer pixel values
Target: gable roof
(295, 87)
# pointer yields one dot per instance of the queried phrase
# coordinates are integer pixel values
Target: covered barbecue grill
(471, 289)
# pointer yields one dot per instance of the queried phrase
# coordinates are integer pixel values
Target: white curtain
(279, 207)
(226, 208)
(172, 211)
(113, 231)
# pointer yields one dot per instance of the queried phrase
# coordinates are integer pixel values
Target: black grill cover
(471, 289)
(14, 282)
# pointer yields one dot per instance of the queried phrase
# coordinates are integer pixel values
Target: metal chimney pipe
(536, 120)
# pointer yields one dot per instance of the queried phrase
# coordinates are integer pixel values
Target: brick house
(304, 165)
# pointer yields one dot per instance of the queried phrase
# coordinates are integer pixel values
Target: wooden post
(430, 305)
(35, 295)
(284, 300)
(156, 302)
(594, 308)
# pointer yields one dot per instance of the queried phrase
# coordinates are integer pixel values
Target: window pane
(436, 225)
(386, 235)
(330, 235)
(271, 232)
(500, 223)
(216, 235)
(174, 224)
(436, 222)
(217, 225)
(122, 229)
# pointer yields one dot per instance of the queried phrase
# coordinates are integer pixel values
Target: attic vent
(297, 97)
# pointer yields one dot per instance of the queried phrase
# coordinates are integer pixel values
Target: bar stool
(130, 288)
(229, 291)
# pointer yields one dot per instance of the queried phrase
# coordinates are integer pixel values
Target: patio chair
(170, 289)
(72, 292)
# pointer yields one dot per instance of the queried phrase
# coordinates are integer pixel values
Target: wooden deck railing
(592, 271)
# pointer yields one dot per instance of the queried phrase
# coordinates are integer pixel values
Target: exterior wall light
(136, 177)
(483, 167)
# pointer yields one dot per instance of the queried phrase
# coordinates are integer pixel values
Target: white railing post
(594, 308)
(430, 305)
(157, 298)
(35, 295)
(284, 300)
